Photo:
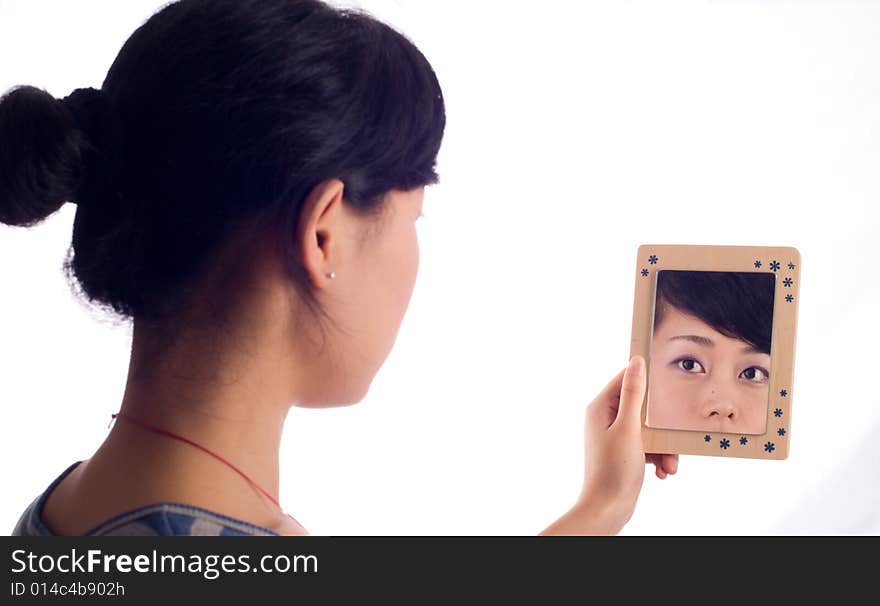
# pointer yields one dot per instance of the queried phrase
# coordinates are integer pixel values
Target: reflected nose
(720, 409)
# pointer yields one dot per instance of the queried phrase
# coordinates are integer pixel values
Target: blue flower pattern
(769, 447)
(787, 282)
(783, 393)
(774, 265)
(652, 259)
(789, 298)
(644, 272)
(757, 264)
(707, 438)
(781, 431)
(777, 412)
(724, 444)
(743, 440)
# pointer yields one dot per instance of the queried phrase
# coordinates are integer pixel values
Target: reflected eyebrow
(751, 349)
(707, 342)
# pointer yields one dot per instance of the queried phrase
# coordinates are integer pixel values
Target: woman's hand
(615, 458)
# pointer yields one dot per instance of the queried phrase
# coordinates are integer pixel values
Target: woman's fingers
(607, 402)
(666, 464)
(657, 461)
(632, 393)
(670, 463)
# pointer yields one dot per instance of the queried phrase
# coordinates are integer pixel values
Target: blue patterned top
(158, 519)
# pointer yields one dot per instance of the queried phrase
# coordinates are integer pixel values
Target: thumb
(632, 393)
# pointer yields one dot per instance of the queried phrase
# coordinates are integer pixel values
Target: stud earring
(331, 275)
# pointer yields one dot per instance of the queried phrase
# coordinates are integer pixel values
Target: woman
(247, 183)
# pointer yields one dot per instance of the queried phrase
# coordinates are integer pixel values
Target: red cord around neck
(165, 432)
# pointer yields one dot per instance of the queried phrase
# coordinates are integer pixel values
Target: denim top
(158, 519)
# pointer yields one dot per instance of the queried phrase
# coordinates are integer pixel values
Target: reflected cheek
(670, 398)
(755, 401)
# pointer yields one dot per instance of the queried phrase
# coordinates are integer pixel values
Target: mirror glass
(709, 363)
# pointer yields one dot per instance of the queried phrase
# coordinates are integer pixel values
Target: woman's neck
(223, 394)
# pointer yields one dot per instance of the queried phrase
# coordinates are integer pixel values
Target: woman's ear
(319, 230)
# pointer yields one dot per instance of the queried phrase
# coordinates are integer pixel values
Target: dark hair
(739, 305)
(214, 115)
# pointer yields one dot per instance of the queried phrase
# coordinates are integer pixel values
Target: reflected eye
(756, 374)
(689, 365)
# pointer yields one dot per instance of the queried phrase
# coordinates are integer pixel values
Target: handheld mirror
(716, 325)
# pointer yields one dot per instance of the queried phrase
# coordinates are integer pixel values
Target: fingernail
(637, 366)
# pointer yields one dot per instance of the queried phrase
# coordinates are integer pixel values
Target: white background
(576, 131)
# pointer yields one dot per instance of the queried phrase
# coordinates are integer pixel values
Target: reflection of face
(701, 380)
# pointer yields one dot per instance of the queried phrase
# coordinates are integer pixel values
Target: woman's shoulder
(30, 522)
(176, 519)
(157, 519)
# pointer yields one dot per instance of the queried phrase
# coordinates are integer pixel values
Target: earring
(331, 275)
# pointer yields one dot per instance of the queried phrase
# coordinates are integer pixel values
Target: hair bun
(96, 117)
(54, 151)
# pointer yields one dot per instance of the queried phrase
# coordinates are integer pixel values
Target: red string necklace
(165, 432)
